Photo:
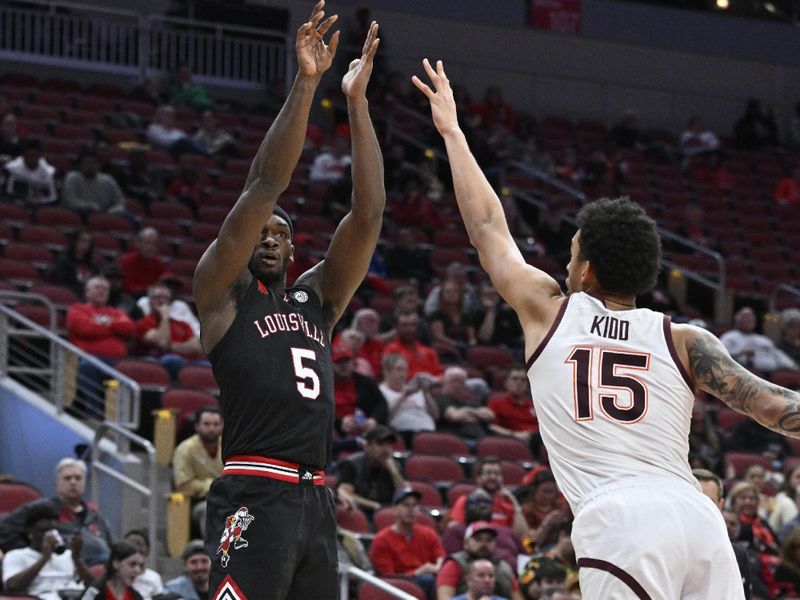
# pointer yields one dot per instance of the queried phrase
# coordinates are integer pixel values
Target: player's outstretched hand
(354, 82)
(443, 106)
(314, 56)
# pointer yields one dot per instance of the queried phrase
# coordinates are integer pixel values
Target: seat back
(16, 493)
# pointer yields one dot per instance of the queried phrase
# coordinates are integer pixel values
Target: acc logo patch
(235, 525)
(300, 296)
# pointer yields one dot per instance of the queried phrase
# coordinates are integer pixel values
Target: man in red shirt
(787, 190)
(172, 342)
(408, 548)
(421, 358)
(141, 267)
(514, 414)
(506, 510)
(101, 330)
(367, 321)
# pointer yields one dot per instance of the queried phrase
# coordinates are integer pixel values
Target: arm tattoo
(717, 373)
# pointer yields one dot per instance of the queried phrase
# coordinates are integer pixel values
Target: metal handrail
(51, 308)
(197, 24)
(52, 6)
(351, 571)
(783, 287)
(148, 491)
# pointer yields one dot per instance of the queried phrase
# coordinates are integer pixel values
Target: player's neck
(612, 301)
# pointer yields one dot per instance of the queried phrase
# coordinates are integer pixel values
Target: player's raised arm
(715, 372)
(482, 212)
(225, 261)
(338, 276)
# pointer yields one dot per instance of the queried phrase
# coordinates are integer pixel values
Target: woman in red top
(124, 564)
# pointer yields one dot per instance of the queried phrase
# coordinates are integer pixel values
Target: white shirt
(326, 167)
(412, 414)
(178, 310)
(39, 180)
(148, 584)
(755, 350)
(58, 573)
(612, 399)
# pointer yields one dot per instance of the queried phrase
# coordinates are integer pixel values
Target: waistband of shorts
(633, 482)
(272, 468)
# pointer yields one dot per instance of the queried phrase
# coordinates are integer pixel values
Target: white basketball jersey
(612, 397)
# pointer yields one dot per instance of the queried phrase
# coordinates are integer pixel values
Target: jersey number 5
(585, 367)
(306, 378)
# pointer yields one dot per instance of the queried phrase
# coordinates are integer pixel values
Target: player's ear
(588, 277)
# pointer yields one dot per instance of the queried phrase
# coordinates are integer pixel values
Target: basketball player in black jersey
(271, 522)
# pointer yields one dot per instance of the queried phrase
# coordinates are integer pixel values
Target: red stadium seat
(55, 216)
(186, 403)
(460, 489)
(14, 494)
(149, 375)
(434, 469)
(44, 235)
(788, 378)
(385, 517)
(40, 314)
(35, 255)
(199, 378)
(489, 357)
(738, 462)
(504, 447)
(193, 250)
(367, 591)
(17, 272)
(513, 473)
(60, 296)
(113, 224)
(352, 519)
(204, 232)
(430, 495)
(171, 210)
(13, 214)
(439, 443)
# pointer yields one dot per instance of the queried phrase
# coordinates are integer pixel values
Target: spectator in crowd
(407, 259)
(787, 575)
(562, 554)
(188, 187)
(479, 506)
(193, 584)
(30, 176)
(142, 182)
(141, 266)
(179, 310)
(460, 409)
(480, 582)
(626, 133)
(87, 190)
(711, 486)
(420, 357)
(108, 164)
(124, 565)
(197, 461)
(360, 406)
(752, 566)
(45, 566)
(554, 232)
(369, 479)
(755, 129)
(694, 228)
(406, 301)
(415, 209)
(411, 406)
(498, 324)
(704, 443)
(543, 506)
(506, 510)
(118, 297)
(458, 272)
(186, 92)
(541, 576)
(784, 506)
(148, 583)
(790, 333)
(353, 339)
(214, 140)
(494, 110)
(367, 321)
(150, 91)
(787, 190)
(756, 474)
(479, 543)
(711, 170)
(10, 145)
(101, 330)
(513, 410)
(332, 165)
(753, 350)
(76, 265)
(173, 344)
(452, 325)
(756, 534)
(163, 133)
(74, 513)
(697, 140)
(407, 548)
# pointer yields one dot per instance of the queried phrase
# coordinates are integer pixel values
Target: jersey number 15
(595, 368)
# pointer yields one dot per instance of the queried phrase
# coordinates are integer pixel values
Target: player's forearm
(280, 149)
(369, 195)
(477, 201)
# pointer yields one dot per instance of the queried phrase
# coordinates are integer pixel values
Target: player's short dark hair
(39, 512)
(622, 244)
(277, 210)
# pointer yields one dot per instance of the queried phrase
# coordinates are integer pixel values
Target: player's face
(271, 255)
(70, 483)
(576, 266)
(210, 427)
(129, 568)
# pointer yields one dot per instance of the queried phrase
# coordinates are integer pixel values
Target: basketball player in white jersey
(613, 387)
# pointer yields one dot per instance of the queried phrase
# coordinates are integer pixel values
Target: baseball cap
(340, 351)
(403, 493)
(380, 433)
(476, 527)
(192, 548)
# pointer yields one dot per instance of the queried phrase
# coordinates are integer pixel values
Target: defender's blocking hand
(443, 105)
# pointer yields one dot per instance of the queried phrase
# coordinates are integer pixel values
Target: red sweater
(179, 331)
(421, 358)
(513, 416)
(394, 554)
(139, 273)
(89, 331)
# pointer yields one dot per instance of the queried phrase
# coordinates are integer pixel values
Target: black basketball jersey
(275, 376)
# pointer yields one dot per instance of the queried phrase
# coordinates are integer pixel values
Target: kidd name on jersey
(279, 322)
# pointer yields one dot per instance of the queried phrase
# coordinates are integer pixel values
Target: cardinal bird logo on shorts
(235, 525)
